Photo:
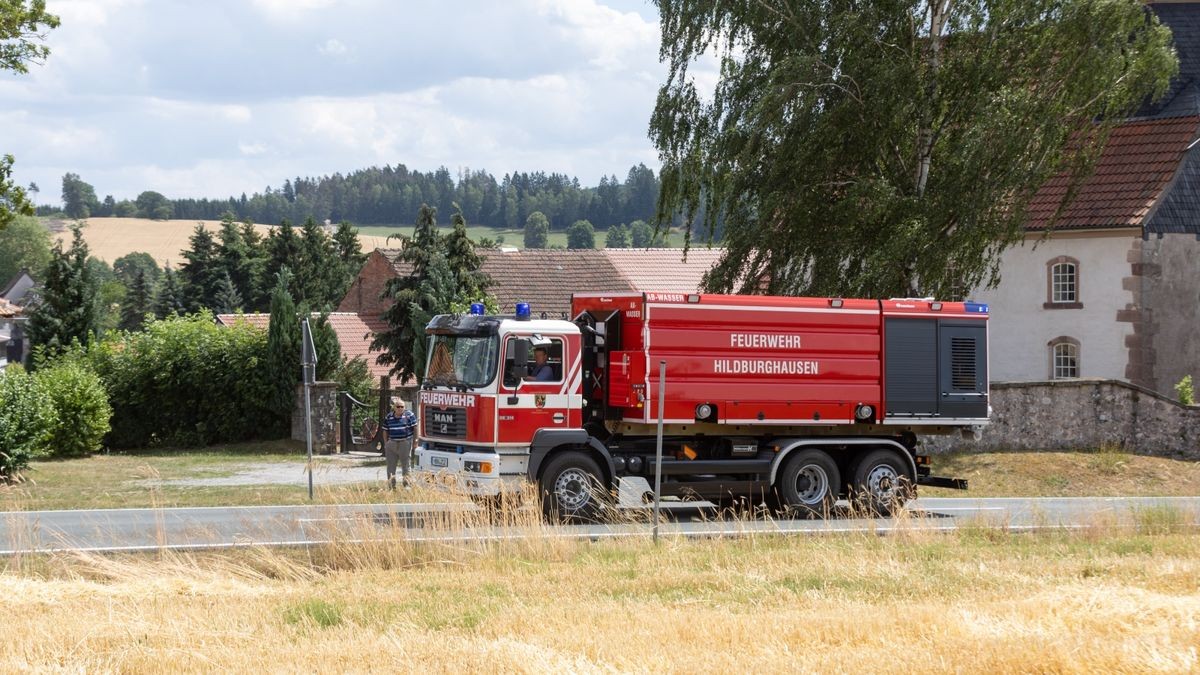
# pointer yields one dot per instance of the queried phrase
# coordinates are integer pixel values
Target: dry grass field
(979, 601)
(111, 238)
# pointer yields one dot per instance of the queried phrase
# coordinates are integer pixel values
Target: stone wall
(1082, 414)
(323, 398)
(1169, 271)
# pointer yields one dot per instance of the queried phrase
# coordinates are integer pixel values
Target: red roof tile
(1131, 174)
(663, 269)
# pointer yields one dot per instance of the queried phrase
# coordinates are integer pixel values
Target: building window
(1064, 358)
(1062, 284)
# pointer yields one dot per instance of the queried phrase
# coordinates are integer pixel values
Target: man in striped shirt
(399, 426)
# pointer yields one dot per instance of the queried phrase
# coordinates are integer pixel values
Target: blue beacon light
(976, 307)
(477, 308)
(523, 311)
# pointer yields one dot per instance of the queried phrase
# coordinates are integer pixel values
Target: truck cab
(481, 402)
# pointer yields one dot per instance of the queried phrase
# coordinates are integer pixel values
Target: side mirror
(519, 355)
(521, 351)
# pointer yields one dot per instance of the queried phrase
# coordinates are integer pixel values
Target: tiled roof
(663, 269)
(262, 321)
(1136, 166)
(545, 278)
(8, 310)
(354, 335)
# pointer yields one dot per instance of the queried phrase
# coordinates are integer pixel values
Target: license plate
(437, 461)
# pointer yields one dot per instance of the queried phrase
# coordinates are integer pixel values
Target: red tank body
(761, 360)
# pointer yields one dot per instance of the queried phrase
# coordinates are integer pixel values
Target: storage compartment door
(963, 370)
(910, 355)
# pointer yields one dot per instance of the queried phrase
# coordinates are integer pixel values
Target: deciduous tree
(23, 29)
(537, 230)
(617, 237)
(888, 148)
(581, 234)
(78, 196)
(24, 244)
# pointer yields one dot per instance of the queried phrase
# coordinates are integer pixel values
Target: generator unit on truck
(796, 400)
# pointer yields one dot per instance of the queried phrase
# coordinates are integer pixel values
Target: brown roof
(8, 310)
(1132, 173)
(664, 269)
(353, 333)
(546, 278)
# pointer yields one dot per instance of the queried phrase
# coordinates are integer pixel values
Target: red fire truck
(800, 401)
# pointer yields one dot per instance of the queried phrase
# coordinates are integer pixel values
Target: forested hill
(392, 195)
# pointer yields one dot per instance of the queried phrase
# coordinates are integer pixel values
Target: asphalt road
(223, 527)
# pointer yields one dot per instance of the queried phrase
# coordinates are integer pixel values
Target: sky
(216, 98)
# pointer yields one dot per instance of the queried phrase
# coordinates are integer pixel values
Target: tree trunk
(938, 10)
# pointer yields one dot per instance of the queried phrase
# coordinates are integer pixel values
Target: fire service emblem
(540, 400)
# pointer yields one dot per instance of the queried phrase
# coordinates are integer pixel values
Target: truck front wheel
(810, 483)
(881, 483)
(572, 489)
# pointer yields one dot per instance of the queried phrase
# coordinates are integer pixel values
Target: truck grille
(446, 422)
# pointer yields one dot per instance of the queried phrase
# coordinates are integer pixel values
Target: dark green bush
(80, 404)
(27, 421)
(184, 381)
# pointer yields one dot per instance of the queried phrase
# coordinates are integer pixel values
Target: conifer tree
(282, 249)
(67, 310)
(139, 302)
(317, 275)
(283, 350)
(228, 300)
(201, 273)
(170, 298)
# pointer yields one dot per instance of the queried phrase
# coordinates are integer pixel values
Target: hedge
(186, 382)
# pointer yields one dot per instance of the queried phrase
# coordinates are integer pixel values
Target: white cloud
(199, 100)
(613, 40)
(332, 47)
(252, 149)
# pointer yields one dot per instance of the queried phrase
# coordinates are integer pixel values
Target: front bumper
(465, 470)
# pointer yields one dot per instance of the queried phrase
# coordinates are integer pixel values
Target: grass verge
(1107, 472)
(274, 473)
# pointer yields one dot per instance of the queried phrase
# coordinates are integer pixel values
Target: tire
(882, 483)
(573, 490)
(809, 484)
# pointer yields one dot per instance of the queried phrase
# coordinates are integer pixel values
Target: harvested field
(111, 238)
(976, 602)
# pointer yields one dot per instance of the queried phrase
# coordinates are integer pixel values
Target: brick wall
(1082, 414)
(364, 295)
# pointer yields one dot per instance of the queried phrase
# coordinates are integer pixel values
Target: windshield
(456, 360)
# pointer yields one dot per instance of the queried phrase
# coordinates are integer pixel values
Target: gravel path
(325, 472)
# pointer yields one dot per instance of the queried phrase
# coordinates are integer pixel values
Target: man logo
(540, 400)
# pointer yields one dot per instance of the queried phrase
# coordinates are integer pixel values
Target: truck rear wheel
(881, 483)
(572, 489)
(809, 484)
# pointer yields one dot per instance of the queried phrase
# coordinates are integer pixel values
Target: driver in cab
(540, 370)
